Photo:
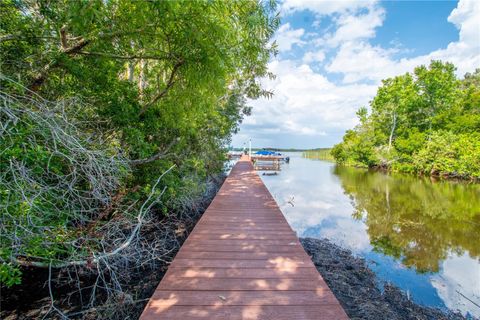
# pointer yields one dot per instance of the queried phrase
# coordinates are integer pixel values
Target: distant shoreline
(283, 149)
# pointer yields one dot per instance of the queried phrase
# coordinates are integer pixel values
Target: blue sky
(334, 54)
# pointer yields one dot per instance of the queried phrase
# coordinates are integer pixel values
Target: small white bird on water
(290, 201)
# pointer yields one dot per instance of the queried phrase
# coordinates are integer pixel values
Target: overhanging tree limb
(40, 78)
(156, 156)
(121, 57)
(161, 94)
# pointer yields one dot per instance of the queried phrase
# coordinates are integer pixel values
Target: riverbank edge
(385, 168)
(357, 288)
(31, 299)
(435, 176)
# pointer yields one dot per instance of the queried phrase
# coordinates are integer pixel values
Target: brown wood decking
(243, 261)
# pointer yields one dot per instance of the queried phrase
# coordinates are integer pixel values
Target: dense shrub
(113, 112)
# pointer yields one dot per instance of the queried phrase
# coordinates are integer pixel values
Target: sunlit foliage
(426, 122)
(141, 86)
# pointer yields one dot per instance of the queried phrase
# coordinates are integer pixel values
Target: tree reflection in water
(415, 219)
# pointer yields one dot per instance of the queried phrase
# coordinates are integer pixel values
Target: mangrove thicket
(114, 117)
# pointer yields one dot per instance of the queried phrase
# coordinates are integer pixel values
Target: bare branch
(120, 57)
(38, 80)
(6, 37)
(140, 217)
(52, 301)
(97, 258)
(63, 37)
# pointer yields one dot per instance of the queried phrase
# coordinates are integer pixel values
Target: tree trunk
(131, 66)
(142, 79)
(390, 139)
(130, 70)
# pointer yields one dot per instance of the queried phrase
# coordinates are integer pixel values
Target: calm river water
(423, 236)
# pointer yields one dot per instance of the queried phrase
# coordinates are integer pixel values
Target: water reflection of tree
(414, 219)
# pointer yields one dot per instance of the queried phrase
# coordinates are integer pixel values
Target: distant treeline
(425, 122)
(282, 149)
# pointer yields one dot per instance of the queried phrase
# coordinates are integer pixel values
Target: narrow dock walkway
(243, 261)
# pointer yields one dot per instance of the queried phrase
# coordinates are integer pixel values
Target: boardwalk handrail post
(250, 148)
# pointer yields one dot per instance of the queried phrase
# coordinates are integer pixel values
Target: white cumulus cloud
(359, 60)
(287, 37)
(305, 104)
(313, 56)
(355, 26)
(314, 107)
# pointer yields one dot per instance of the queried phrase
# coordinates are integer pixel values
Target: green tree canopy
(425, 122)
(99, 100)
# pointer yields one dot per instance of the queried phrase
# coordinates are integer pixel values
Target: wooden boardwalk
(243, 261)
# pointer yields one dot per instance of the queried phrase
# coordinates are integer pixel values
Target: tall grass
(319, 154)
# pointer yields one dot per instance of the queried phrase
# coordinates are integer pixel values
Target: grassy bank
(319, 154)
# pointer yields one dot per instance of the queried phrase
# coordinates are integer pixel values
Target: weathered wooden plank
(235, 255)
(325, 312)
(239, 232)
(243, 273)
(242, 298)
(226, 263)
(245, 229)
(243, 236)
(198, 247)
(240, 242)
(240, 219)
(229, 284)
(243, 225)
